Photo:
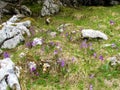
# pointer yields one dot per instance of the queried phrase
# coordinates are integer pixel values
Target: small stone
(46, 67)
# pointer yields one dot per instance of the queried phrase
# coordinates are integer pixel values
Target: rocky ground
(58, 56)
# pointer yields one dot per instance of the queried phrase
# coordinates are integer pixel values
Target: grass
(75, 75)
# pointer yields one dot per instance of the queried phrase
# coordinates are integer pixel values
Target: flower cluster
(37, 41)
(32, 66)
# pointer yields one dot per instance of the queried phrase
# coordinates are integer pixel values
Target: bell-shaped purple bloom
(91, 87)
(101, 57)
(6, 55)
(52, 43)
(37, 74)
(84, 44)
(29, 44)
(55, 52)
(112, 22)
(95, 55)
(66, 34)
(33, 69)
(62, 63)
(113, 45)
(73, 59)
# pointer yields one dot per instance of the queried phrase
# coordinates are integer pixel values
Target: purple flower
(52, 43)
(60, 49)
(112, 22)
(66, 34)
(84, 44)
(6, 55)
(62, 63)
(91, 76)
(95, 55)
(55, 52)
(29, 44)
(101, 57)
(91, 87)
(73, 59)
(33, 69)
(113, 45)
(37, 74)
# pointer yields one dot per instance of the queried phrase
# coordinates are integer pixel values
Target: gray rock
(73, 3)
(90, 33)
(8, 73)
(25, 10)
(12, 43)
(114, 2)
(49, 8)
(13, 7)
(2, 5)
(10, 1)
(12, 33)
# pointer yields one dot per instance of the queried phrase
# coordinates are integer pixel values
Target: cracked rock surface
(12, 33)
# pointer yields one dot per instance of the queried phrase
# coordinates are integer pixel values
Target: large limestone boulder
(12, 32)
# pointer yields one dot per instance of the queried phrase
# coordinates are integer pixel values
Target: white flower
(53, 34)
(21, 55)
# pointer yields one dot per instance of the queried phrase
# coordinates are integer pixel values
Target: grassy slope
(75, 75)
